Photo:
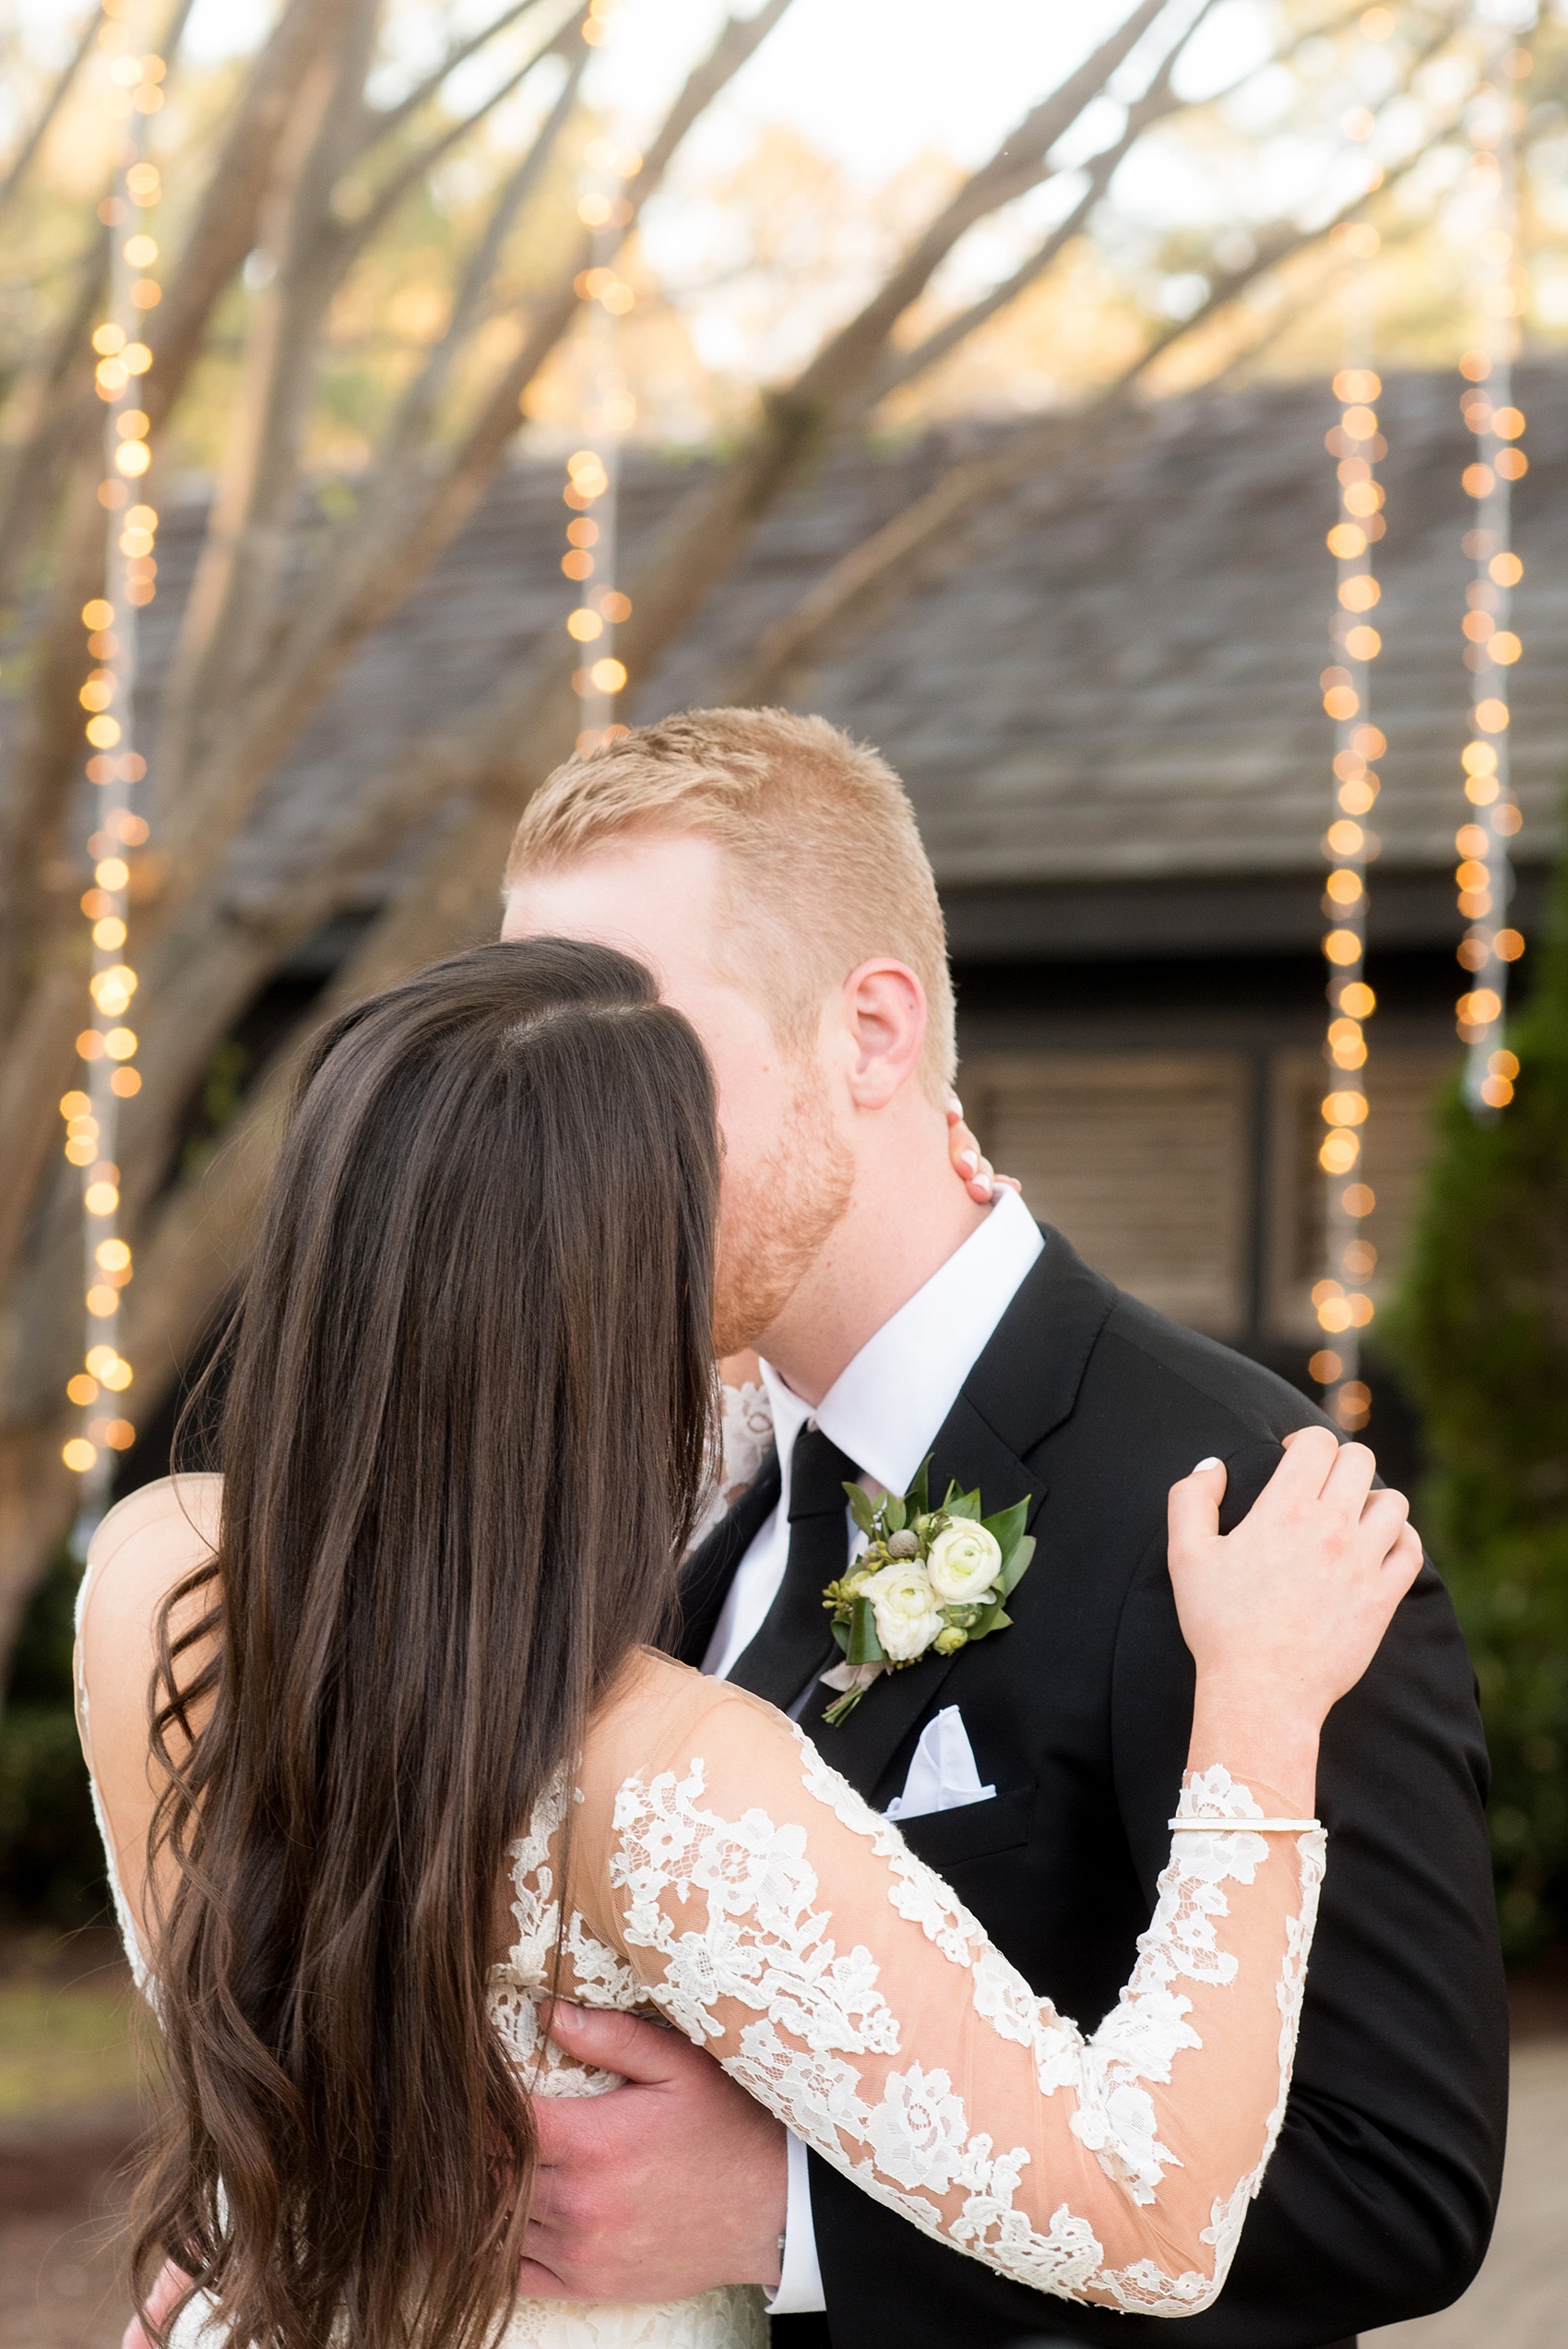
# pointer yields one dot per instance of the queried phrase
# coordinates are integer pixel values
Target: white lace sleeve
(746, 1431)
(778, 1921)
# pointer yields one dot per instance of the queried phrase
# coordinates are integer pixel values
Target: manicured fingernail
(1209, 1463)
(969, 1161)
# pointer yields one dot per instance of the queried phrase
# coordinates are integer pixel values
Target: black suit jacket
(1379, 2202)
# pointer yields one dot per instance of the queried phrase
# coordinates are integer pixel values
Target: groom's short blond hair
(826, 863)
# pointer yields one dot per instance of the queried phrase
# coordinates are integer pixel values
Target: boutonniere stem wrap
(927, 1580)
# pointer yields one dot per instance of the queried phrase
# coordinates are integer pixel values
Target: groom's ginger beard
(775, 1219)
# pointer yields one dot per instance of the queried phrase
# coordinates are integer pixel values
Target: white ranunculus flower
(963, 1563)
(906, 1610)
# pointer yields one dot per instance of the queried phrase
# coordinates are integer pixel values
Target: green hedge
(51, 1859)
(1479, 1333)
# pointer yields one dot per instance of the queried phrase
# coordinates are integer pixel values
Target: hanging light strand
(1340, 1298)
(1484, 874)
(593, 470)
(107, 1045)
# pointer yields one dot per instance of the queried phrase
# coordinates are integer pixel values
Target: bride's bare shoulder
(658, 1709)
(145, 1545)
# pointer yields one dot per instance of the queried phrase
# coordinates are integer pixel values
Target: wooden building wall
(1148, 1160)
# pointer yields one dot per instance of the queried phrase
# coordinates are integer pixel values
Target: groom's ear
(884, 1013)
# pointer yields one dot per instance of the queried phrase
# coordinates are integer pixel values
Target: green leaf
(962, 1504)
(863, 1646)
(841, 1633)
(894, 1509)
(860, 1508)
(1016, 1565)
(1007, 1527)
(995, 1618)
(919, 1494)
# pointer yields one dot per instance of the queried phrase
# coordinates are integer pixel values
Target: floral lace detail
(917, 1892)
(746, 1431)
(544, 1957)
(593, 1973)
(731, 1913)
(731, 2318)
(760, 1941)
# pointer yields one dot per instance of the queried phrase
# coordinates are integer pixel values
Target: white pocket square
(943, 1776)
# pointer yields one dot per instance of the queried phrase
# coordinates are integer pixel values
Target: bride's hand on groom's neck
(975, 1171)
(666, 2187)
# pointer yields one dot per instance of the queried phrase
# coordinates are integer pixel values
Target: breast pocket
(944, 1840)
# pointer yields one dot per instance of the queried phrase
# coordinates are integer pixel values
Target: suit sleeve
(1380, 2199)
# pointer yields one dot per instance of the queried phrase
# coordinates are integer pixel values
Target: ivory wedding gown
(724, 1877)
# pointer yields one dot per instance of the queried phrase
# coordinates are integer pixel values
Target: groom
(768, 871)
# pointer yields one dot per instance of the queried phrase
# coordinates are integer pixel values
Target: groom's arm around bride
(768, 872)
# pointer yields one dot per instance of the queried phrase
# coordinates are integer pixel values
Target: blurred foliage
(51, 1858)
(222, 1092)
(67, 2041)
(1480, 1335)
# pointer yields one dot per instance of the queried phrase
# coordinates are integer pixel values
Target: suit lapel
(1024, 1384)
(709, 1572)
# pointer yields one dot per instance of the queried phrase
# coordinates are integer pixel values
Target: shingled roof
(1108, 685)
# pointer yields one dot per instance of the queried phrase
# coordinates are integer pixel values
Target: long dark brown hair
(469, 1391)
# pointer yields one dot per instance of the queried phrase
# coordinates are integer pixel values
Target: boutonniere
(927, 1580)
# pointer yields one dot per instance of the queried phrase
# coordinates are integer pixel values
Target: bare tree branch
(58, 91)
(202, 820)
(41, 424)
(225, 225)
(1018, 164)
(411, 425)
(246, 543)
(537, 707)
(891, 556)
(1157, 100)
(217, 246)
(397, 542)
(384, 123)
(356, 234)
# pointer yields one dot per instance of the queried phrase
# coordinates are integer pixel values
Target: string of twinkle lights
(593, 470)
(107, 1046)
(1340, 1298)
(1484, 874)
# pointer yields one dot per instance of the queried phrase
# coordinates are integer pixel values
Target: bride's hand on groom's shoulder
(657, 2190)
(1290, 1608)
(969, 1161)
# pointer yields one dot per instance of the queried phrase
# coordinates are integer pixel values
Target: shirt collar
(887, 1406)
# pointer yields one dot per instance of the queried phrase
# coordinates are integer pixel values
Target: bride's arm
(776, 1920)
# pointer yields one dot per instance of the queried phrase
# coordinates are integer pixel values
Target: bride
(388, 1758)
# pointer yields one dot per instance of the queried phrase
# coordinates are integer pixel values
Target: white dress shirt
(886, 1409)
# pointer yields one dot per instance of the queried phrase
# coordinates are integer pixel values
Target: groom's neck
(907, 1213)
